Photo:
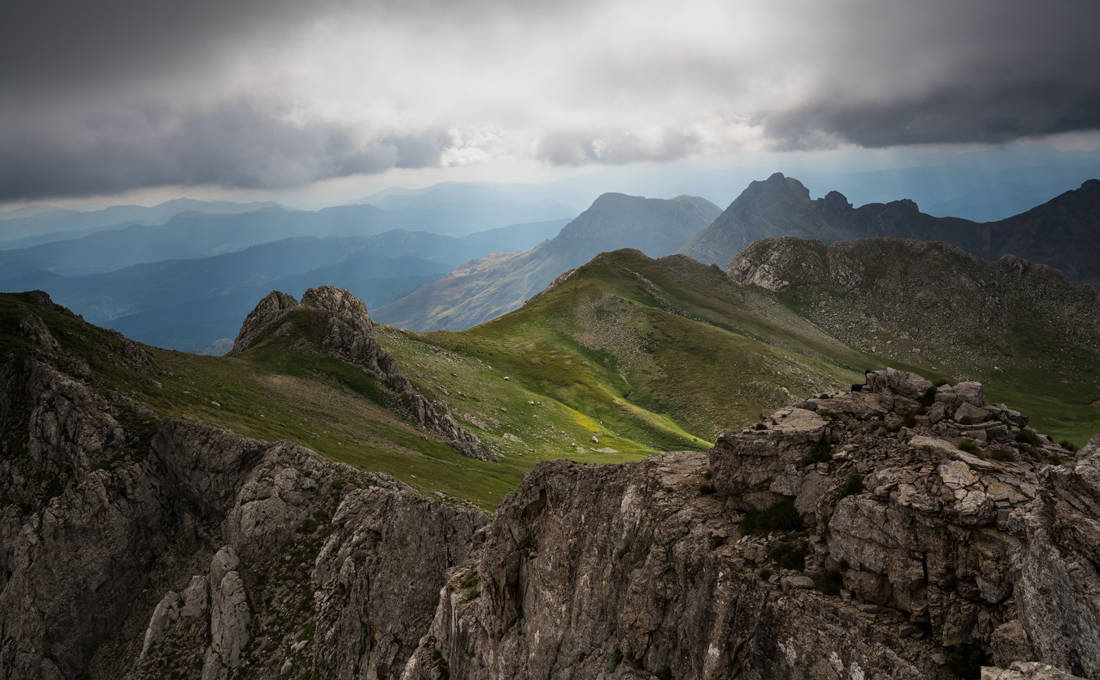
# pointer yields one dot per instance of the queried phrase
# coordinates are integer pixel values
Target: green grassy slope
(627, 336)
(624, 357)
(1028, 335)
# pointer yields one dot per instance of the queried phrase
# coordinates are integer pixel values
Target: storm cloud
(110, 96)
(237, 144)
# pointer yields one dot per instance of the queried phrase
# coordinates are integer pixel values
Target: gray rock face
(832, 542)
(1058, 588)
(195, 551)
(628, 571)
(377, 578)
(75, 538)
(346, 332)
(229, 616)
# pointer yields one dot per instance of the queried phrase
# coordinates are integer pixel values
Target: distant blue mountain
(187, 304)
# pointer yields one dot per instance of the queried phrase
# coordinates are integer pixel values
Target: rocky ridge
(905, 530)
(138, 548)
(901, 530)
(337, 322)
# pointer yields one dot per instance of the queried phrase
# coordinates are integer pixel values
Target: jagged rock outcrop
(630, 572)
(143, 549)
(876, 534)
(229, 616)
(337, 321)
(259, 321)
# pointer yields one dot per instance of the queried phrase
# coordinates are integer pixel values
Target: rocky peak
(777, 262)
(836, 204)
(776, 187)
(347, 316)
(341, 303)
(655, 225)
(611, 199)
(905, 204)
(345, 330)
(262, 318)
(930, 501)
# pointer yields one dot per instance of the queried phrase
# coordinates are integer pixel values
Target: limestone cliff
(900, 531)
(132, 547)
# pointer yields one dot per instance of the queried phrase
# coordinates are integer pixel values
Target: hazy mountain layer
(486, 288)
(54, 224)
(189, 304)
(194, 235)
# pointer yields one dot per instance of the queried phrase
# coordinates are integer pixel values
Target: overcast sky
(113, 96)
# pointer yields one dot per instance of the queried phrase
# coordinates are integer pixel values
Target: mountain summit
(781, 206)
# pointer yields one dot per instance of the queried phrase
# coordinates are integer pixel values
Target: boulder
(902, 383)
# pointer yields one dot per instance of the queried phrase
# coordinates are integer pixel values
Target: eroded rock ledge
(197, 552)
(903, 531)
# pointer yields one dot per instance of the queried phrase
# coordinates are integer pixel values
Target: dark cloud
(982, 72)
(990, 113)
(87, 44)
(47, 44)
(111, 95)
(241, 144)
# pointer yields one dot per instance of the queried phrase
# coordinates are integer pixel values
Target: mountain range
(779, 206)
(110, 276)
(188, 304)
(318, 501)
(1064, 232)
(30, 227)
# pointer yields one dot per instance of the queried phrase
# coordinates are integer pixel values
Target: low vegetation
(853, 484)
(829, 581)
(789, 555)
(780, 517)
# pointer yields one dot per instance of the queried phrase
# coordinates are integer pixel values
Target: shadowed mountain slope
(486, 288)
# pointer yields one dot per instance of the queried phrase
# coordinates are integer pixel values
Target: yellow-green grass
(280, 392)
(642, 355)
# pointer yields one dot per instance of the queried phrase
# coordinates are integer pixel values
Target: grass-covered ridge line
(626, 357)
